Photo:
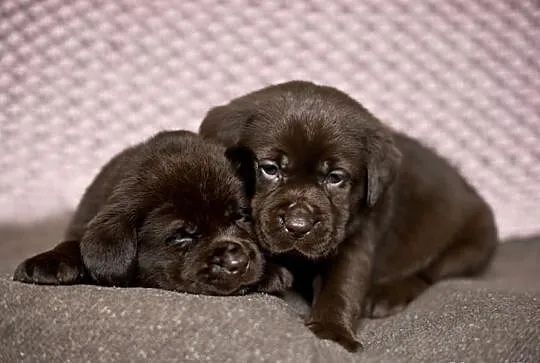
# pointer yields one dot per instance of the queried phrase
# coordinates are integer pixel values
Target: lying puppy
(168, 213)
(374, 214)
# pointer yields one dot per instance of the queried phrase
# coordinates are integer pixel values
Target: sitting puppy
(168, 213)
(370, 214)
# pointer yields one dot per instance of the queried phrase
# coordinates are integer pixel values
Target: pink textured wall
(80, 80)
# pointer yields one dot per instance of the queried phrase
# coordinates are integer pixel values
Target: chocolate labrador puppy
(368, 213)
(169, 213)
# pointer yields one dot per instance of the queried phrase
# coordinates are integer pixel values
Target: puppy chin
(223, 288)
(229, 285)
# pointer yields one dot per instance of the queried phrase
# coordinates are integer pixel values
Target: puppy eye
(179, 240)
(269, 169)
(335, 178)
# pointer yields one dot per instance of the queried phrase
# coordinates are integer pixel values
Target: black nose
(229, 259)
(298, 219)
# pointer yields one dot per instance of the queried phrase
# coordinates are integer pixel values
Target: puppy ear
(382, 167)
(226, 123)
(109, 246)
(244, 161)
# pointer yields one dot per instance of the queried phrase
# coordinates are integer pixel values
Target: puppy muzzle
(296, 224)
(298, 219)
(228, 259)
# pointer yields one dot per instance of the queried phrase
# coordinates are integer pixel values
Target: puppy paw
(280, 280)
(50, 268)
(391, 298)
(336, 332)
(277, 279)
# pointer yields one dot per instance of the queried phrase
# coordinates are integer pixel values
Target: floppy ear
(384, 161)
(109, 246)
(244, 161)
(226, 123)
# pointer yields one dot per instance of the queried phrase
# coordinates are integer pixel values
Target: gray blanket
(495, 318)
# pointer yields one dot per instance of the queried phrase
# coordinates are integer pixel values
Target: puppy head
(322, 160)
(178, 221)
(213, 255)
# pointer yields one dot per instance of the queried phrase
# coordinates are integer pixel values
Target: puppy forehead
(201, 216)
(207, 199)
(194, 192)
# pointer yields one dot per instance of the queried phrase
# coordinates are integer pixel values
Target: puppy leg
(60, 266)
(468, 255)
(392, 297)
(471, 252)
(338, 301)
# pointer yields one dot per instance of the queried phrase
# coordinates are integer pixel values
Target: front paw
(336, 332)
(277, 280)
(49, 268)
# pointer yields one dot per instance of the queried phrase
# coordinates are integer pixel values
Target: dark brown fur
(169, 213)
(372, 213)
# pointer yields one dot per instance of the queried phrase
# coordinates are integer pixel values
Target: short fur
(169, 213)
(372, 213)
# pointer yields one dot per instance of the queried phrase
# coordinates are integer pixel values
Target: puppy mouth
(276, 238)
(229, 268)
(218, 270)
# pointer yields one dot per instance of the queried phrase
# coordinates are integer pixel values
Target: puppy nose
(298, 219)
(231, 259)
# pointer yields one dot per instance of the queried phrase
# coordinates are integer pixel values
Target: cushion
(492, 318)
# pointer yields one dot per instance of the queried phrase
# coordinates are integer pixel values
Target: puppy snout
(229, 259)
(298, 219)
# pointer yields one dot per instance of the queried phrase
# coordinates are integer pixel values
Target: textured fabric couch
(495, 318)
(80, 80)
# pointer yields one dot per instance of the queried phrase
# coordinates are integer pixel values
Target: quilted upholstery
(81, 79)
